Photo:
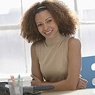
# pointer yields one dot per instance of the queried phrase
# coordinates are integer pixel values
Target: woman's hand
(35, 81)
(82, 83)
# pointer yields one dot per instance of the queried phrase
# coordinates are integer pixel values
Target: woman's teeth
(48, 32)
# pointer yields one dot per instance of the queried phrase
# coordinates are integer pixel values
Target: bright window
(15, 51)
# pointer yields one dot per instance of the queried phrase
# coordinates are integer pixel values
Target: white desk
(91, 91)
(76, 92)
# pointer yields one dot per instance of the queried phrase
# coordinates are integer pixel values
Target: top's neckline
(54, 40)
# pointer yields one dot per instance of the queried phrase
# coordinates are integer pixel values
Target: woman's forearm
(61, 85)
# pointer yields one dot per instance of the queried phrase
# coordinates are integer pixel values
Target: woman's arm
(35, 68)
(74, 65)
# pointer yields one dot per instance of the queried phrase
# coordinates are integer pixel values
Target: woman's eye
(39, 25)
(49, 20)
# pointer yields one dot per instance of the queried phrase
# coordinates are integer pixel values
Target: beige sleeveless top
(53, 57)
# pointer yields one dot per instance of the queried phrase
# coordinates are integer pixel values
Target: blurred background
(15, 51)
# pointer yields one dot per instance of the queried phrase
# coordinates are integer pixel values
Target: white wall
(87, 36)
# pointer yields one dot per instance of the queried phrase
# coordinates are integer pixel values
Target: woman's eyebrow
(47, 18)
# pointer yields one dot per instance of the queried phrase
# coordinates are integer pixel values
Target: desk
(76, 92)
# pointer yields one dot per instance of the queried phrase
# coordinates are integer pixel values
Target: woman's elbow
(72, 86)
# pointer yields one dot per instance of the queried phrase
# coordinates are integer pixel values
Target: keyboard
(37, 89)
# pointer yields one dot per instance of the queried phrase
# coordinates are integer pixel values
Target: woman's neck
(54, 40)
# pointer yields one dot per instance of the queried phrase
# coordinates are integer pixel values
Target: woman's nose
(45, 27)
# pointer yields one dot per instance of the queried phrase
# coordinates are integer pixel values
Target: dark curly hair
(66, 20)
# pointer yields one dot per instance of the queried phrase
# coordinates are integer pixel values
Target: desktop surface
(87, 91)
(90, 91)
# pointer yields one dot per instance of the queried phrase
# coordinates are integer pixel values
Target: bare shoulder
(74, 42)
(33, 52)
(33, 46)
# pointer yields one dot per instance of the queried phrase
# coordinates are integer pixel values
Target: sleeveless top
(53, 57)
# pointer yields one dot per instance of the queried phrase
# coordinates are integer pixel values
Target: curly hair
(66, 19)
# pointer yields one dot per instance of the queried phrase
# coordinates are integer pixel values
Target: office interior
(15, 51)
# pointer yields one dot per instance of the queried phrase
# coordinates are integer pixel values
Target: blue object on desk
(87, 71)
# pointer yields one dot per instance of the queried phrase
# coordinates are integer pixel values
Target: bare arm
(74, 65)
(35, 68)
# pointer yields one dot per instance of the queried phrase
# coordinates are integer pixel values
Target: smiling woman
(15, 52)
(55, 52)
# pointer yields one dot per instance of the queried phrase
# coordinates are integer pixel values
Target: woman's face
(46, 24)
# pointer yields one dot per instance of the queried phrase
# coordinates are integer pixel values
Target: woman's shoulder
(74, 42)
(36, 44)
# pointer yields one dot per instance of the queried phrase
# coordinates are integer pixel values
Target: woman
(55, 52)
